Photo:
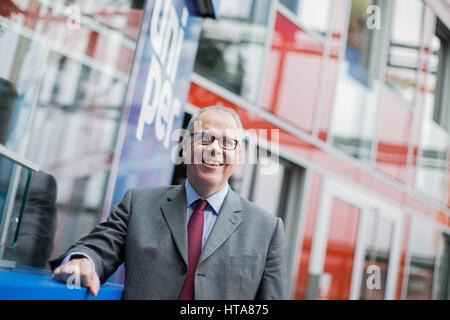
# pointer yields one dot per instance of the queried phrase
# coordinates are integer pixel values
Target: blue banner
(160, 89)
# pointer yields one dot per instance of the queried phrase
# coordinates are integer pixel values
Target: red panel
(394, 125)
(341, 246)
(311, 211)
(293, 72)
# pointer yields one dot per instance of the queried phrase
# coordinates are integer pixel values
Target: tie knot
(201, 204)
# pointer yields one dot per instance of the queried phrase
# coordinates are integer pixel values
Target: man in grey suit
(199, 240)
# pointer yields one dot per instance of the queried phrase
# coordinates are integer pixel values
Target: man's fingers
(62, 273)
(83, 273)
(94, 284)
(89, 277)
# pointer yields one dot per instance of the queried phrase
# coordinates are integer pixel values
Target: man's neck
(204, 191)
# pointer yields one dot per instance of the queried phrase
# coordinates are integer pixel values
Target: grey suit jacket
(243, 258)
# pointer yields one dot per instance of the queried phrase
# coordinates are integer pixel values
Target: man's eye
(229, 143)
(207, 137)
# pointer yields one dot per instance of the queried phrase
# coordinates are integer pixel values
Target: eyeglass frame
(219, 140)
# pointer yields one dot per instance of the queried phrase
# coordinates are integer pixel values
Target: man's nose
(213, 147)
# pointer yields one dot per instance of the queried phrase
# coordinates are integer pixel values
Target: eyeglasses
(206, 139)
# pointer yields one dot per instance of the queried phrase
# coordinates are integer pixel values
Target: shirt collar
(215, 201)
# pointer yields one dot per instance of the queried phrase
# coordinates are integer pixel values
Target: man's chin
(210, 181)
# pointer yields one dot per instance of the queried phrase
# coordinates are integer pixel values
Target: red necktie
(195, 233)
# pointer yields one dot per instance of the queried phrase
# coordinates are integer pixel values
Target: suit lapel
(228, 220)
(174, 212)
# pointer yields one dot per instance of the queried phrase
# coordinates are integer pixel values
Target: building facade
(346, 106)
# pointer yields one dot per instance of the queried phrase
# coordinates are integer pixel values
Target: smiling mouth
(212, 164)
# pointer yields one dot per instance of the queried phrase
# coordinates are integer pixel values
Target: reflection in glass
(6, 170)
(294, 54)
(404, 47)
(443, 282)
(19, 70)
(8, 98)
(432, 161)
(268, 184)
(437, 102)
(354, 116)
(376, 255)
(311, 14)
(422, 249)
(231, 48)
(353, 123)
(89, 102)
(76, 103)
(360, 47)
(15, 213)
(340, 254)
(33, 242)
(123, 16)
(291, 5)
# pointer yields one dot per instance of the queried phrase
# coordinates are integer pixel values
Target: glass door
(443, 283)
(356, 246)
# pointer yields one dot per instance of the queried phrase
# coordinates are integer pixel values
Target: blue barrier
(23, 283)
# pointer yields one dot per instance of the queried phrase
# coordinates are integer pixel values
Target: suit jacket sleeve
(274, 280)
(105, 244)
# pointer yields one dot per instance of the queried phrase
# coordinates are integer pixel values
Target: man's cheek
(230, 159)
(197, 155)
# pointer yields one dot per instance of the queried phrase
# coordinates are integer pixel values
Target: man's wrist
(78, 255)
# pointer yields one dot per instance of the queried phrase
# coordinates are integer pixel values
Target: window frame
(441, 111)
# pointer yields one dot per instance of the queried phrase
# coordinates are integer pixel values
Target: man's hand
(83, 269)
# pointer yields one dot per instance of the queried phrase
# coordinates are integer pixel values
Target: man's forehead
(218, 119)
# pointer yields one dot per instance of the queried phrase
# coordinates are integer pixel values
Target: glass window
(432, 161)
(422, 250)
(294, 54)
(443, 282)
(393, 134)
(437, 95)
(291, 5)
(231, 49)
(352, 125)
(27, 215)
(311, 14)
(267, 184)
(355, 109)
(31, 227)
(404, 47)
(20, 67)
(89, 103)
(364, 43)
(69, 63)
(338, 264)
(379, 242)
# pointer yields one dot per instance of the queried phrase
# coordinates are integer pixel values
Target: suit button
(183, 270)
